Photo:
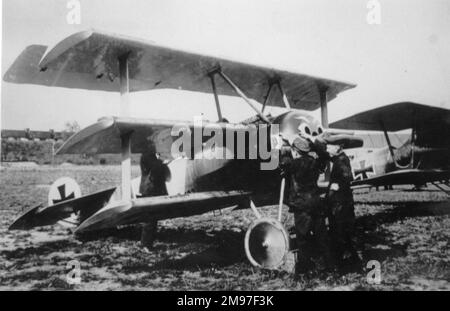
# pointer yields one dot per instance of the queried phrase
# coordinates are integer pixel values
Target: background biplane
(423, 158)
(93, 60)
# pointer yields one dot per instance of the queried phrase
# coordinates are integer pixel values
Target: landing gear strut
(267, 241)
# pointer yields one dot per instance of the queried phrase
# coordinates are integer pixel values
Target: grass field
(407, 232)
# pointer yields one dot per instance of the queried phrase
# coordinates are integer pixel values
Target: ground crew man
(341, 213)
(301, 169)
(154, 174)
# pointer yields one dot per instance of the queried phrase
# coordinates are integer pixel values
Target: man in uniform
(301, 170)
(341, 211)
(154, 174)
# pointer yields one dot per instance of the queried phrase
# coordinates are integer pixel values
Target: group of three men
(323, 225)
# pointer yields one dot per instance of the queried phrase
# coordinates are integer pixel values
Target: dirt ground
(407, 232)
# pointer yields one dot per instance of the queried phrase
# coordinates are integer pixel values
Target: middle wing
(105, 135)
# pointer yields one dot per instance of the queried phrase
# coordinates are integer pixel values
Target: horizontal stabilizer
(40, 216)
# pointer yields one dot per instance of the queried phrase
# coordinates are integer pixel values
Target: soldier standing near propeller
(301, 165)
(341, 212)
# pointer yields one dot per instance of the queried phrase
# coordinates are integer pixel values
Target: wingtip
(63, 45)
(22, 69)
(24, 221)
(101, 124)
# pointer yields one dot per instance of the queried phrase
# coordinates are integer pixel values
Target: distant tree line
(40, 146)
(42, 152)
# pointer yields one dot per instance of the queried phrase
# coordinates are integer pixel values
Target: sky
(404, 58)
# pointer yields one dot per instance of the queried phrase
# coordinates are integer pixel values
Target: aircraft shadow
(227, 250)
(414, 208)
(43, 249)
(125, 233)
(217, 256)
(178, 235)
(378, 245)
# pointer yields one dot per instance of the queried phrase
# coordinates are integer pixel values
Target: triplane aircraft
(93, 60)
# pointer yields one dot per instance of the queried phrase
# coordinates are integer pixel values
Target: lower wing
(405, 177)
(143, 210)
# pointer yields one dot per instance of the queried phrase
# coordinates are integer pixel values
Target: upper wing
(431, 124)
(395, 117)
(405, 177)
(88, 60)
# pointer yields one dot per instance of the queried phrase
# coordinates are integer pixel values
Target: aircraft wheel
(266, 243)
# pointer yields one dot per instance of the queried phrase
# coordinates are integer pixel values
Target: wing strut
(266, 99)
(126, 138)
(413, 139)
(388, 141)
(124, 86)
(323, 104)
(219, 71)
(391, 148)
(283, 94)
(280, 204)
(216, 97)
(126, 166)
(324, 118)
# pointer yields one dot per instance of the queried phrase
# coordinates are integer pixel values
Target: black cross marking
(62, 193)
(361, 173)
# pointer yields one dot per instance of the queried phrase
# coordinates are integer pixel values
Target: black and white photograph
(225, 146)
